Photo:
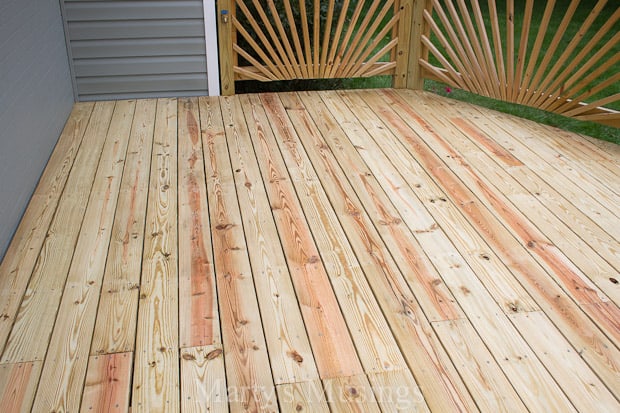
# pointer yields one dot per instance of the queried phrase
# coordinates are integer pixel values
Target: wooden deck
(347, 251)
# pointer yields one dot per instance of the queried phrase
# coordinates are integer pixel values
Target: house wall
(132, 49)
(36, 98)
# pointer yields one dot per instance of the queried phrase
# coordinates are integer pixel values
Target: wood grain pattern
(442, 388)
(370, 332)
(62, 378)
(483, 311)
(198, 312)
(559, 233)
(331, 342)
(155, 386)
(414, 265)
(572, 321)
(397, 391)
(417, 201)
(491, 388)
(351, 394)
(592, 234)
(115, 328)
(248, 372)
(568, 179)
(203, 379)
(302, 397)
(289, 347)
(31, 330)
(315, 251)
(108, 383)
(20, 258)
(580, 384)
(18, 382)
(560, 259)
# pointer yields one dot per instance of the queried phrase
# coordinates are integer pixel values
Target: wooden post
(225, 28)
(405, 8)
(416, 50)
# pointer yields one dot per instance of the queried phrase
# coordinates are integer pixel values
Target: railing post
(405, 8)
(418, 28)
(225, 27)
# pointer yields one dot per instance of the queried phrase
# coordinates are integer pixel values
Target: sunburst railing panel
(316, 39)
(506, 50)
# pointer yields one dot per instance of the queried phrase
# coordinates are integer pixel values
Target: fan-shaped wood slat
(525, 63)
(312, 39)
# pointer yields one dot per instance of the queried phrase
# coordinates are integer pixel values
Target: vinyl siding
(122, 49)
(35, 99)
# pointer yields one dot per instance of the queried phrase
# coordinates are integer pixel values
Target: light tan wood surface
(371, 251)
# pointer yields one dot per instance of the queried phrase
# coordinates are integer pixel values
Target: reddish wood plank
(108, 383)
(198, 312)
(18, 382)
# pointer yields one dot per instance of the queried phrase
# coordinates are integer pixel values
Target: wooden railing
(313, 39)
(526, 63)
(507, 53)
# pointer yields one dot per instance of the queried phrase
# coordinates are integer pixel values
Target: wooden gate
(314, 39)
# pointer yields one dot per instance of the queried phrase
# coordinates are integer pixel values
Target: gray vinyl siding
(132, 49)
(35, 100)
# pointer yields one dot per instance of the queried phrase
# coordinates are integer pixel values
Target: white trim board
(211, 46)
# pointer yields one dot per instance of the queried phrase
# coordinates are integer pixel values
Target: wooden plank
(39, 303)
(155, 384)
(369, 330)
(299, 397)
(549, 230)
(108, 383)
(608, 149)
(564, 269)
(62, 378)
(21, 256)
(513, 353)
(331, 341)
(351, 394)
(18, 382)
(604, 244)
(115, 328)
(397, 391)
(289, 348)
(574, 148)
(248, 372)
(203, 379)
(198, 313)
(564, 312)
(579, 382)
(370, 139)
(491, 388)
(526, 150)
(381, 230)
(443, 388)
(547, 255)
(584, 191)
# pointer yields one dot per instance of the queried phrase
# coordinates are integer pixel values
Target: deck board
(375, 250)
